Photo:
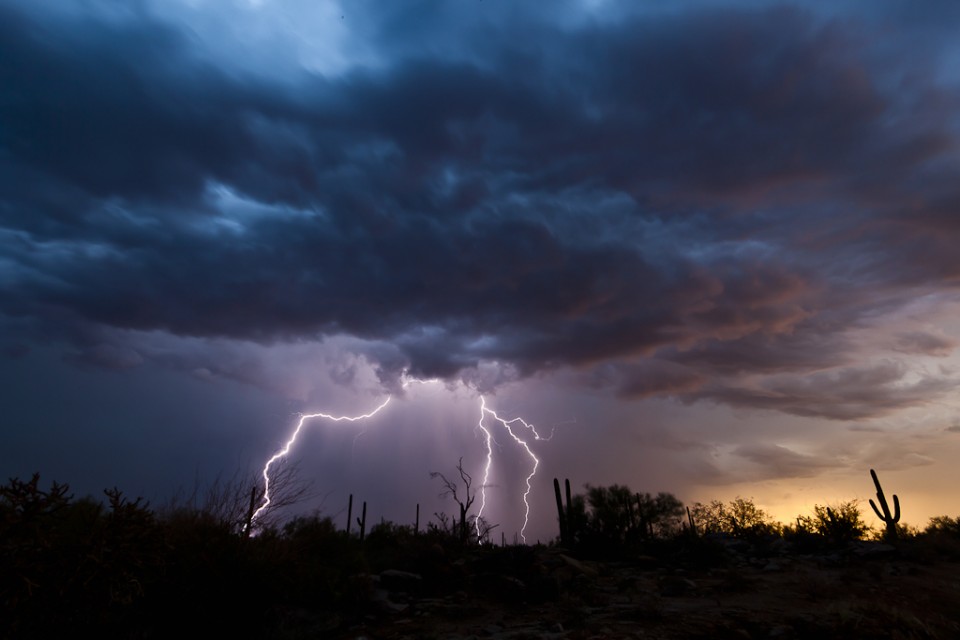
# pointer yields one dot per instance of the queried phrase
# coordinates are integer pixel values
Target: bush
(740, 518)
(73, 564)
(613, 520)
(943, 525)
(839, 524)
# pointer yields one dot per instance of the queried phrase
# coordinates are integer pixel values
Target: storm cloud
(668, 203)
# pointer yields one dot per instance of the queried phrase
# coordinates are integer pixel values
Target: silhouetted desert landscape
(626, 565)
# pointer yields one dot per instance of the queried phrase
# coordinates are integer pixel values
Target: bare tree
(464, 498)
(287, 488)
(231, 502)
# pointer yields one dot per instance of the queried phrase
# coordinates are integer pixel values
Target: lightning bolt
(508, 425)
(293, 438)
(486, 470)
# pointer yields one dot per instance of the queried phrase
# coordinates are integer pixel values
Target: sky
(711, 247)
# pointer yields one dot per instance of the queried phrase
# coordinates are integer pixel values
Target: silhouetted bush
(73, 564)
(611, 521)
(941, 537)
(829, 527)
(739, 518)
(943, 525)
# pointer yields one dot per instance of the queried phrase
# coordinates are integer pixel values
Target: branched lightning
(486, 469)
(293, 438)
(508, 425)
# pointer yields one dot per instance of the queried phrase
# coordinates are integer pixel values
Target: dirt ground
(868, 591)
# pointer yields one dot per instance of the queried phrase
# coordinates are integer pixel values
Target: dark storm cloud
(851, 393)
(713, 191)
(808, 348)
(654, 378)
(106, 356)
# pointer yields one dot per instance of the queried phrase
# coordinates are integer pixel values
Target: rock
(874, 550)
(395, 580)
(780, 546)
(646, 562)
(673, 587)
(543, 589)
(381, 598)
(578, 566)
(500, 587)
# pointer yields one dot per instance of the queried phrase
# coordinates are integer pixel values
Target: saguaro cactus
(692, 524)
(889, 520)
(349, 514)
(560, 514)
(565, 515)
(363, 522)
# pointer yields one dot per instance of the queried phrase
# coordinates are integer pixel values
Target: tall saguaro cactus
(889, 520)
(363, 522)
(565, 515)
(349, 514)
(560, 514)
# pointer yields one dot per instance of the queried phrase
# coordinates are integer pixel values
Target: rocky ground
(865, 590)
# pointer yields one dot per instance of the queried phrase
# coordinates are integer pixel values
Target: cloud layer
(712, 205)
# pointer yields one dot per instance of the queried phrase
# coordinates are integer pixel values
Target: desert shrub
(829, 526)
(73, 563)
(446, 531)
(317, 555)
(208, 576)
(227, 501)
(943, 525)
(577, 519)
(612, 520)
(840, 523)
(904, 531)
(740, 518)
(662, 514)
(941, 537)
(391, 546)
(390, 533)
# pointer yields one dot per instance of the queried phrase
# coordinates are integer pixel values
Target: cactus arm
(886, 517)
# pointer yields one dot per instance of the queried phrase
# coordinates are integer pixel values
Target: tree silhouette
(464, 498)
